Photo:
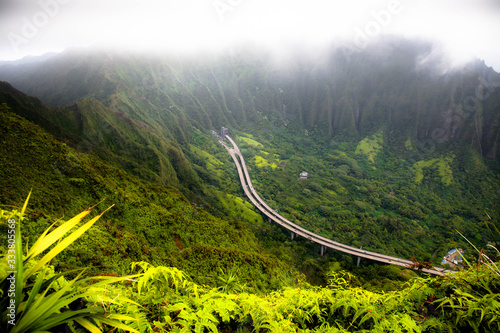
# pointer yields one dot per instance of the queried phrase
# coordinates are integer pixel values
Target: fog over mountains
(401, 85)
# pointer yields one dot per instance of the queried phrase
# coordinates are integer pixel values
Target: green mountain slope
(120, 140)
(149, 222)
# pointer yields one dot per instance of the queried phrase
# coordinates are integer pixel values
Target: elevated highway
(273, 215)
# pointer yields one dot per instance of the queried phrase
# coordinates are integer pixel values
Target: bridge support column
(292, 235)
(268, 220)
(323, 250)
(359, 258)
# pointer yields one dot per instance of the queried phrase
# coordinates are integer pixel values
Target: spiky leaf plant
(34, 301)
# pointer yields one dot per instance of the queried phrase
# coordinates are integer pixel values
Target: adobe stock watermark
(222, 7)
(380, 19)
(31, 25)
(11, 263)
(469, 106)
(460, 113)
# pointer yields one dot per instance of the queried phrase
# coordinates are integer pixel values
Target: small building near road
(224, 131)
(454, 258)
(303, 175)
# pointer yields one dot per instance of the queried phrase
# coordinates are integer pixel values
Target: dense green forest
(163, 299)
(402, 159)
(148, 223)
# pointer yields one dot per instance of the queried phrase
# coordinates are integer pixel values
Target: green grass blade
(115, 323)
(489, 229)
(33, 293)
(43, 242)
(44, 305)
(88, 325)
(63, 244)
(25, 205)
(118, 316)
(46, 313)
(468, 241)
(41, 306)
(109, 279)
(61, 318)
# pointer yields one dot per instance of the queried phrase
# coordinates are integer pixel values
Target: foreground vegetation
(164, 299)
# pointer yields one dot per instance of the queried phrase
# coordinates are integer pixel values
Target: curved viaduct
(272, 214)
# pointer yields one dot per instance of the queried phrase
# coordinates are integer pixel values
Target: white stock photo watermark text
(11, 262)
(30, 26)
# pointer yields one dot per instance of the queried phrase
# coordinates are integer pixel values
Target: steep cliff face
(331, 94)
(116, 137)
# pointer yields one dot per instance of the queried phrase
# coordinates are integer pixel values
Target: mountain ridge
(334, 96)
(149, 222)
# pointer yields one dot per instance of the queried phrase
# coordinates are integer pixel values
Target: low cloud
(461, 26)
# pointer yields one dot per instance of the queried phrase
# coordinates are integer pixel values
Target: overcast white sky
(32, 27)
